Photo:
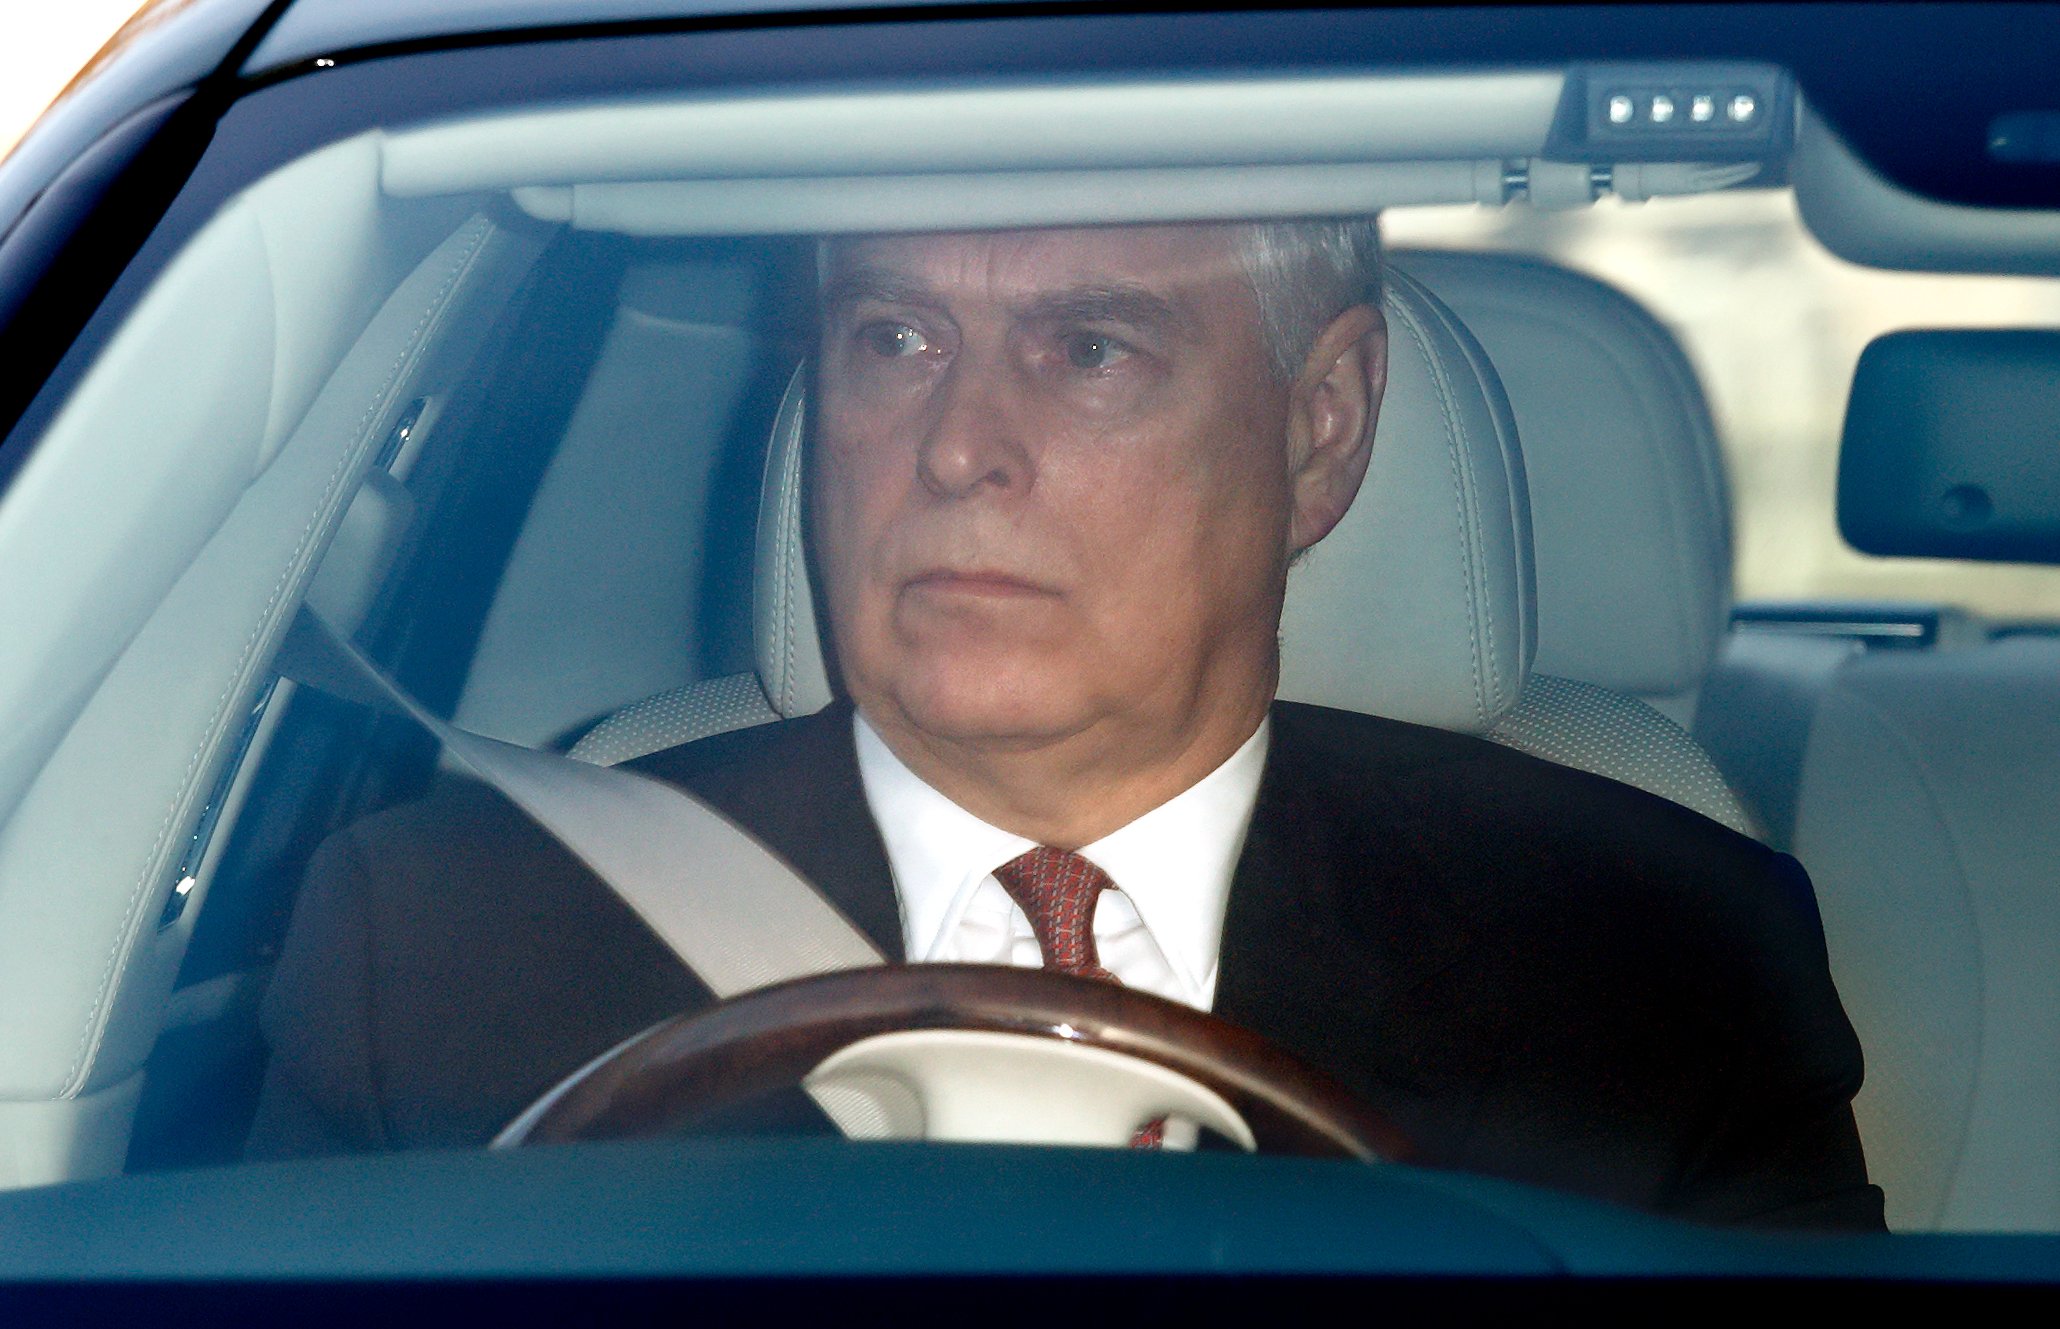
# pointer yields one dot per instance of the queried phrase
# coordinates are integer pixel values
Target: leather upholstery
(785, 637)
(1421, 605)
(1630, 511)
(239, 466)
(1595, 729)
(1926, 817)
(1630, 522)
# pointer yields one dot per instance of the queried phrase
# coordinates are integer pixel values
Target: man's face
(1052, 489)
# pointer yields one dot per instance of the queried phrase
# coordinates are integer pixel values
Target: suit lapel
(828, 829)
(1337, 926)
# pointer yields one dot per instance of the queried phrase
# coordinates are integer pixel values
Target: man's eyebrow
(1133, 306)
(865, 282)
(1102, 302)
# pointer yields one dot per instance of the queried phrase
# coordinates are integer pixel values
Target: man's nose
(970, 442)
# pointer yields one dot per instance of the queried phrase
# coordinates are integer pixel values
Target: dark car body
(198, 100)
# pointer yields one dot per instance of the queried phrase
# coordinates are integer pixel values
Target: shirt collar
(1174, 863)
(939, 852)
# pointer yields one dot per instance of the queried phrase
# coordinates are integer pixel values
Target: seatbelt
(733, 912)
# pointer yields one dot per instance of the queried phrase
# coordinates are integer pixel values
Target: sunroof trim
(1864, 218)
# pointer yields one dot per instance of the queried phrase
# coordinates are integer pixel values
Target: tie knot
(1057, 890)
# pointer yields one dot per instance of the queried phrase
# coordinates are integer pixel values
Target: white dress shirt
(1159, 930)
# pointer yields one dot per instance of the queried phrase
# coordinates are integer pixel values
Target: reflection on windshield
(1258, 674)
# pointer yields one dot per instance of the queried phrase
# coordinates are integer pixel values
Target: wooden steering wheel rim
(773, 1037)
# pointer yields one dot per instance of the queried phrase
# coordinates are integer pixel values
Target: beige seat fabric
(600, 602)
(1628, 501)
(1594, 729)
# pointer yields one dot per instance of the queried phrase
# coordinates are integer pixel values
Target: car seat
(1452, 636)
(1630, 522)
(1927, 817)
(1372, 623)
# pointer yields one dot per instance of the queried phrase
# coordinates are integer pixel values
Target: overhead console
(900, 158)
(1673, 112)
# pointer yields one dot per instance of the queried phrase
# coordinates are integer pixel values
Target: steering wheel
(937, 1050)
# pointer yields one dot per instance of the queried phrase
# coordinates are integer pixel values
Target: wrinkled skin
(1057, 487)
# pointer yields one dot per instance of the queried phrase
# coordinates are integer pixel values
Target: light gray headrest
(1417, 606)
(790, 653)
(1632, 519)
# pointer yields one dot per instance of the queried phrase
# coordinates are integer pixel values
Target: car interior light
(1673, 111)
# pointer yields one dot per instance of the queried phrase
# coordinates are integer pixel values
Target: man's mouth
(979, 582)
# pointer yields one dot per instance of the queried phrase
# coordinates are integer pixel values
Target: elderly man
(1058, 481)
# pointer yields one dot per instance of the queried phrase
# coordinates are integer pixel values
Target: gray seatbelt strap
(736, 914)
(727, 906)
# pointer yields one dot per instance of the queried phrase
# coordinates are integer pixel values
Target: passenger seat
(1929, 797)
(1929, 815)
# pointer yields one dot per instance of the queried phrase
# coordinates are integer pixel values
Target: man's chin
(981, 717)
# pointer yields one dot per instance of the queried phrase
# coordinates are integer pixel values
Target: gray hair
(1306, 273)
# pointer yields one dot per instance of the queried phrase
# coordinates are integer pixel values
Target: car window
(513, 362)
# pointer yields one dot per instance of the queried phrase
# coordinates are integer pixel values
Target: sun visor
(1952, 447)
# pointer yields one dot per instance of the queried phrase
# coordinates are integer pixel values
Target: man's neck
(1077, 789)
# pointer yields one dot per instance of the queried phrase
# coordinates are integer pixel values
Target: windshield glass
(1479, 591)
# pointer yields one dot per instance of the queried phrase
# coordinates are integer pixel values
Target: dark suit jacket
(1537, 973)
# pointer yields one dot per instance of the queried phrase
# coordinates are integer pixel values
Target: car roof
(158, 55)
(312, 28)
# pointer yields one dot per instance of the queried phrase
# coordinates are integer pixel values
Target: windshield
(1479, 590)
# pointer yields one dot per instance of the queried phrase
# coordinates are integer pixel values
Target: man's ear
(1332, 408)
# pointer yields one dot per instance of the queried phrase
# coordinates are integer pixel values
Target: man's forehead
(1013, 264)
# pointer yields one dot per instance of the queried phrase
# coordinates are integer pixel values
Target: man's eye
(892, 341)
(1090, 350)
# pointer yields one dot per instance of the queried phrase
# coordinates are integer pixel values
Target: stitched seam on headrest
(1474, 358)
(1680, 531)
(1661, 387)
(1452, 451)
(1477, 360)
(789, 534)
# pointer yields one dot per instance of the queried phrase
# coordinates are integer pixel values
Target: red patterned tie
(1057, 891)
